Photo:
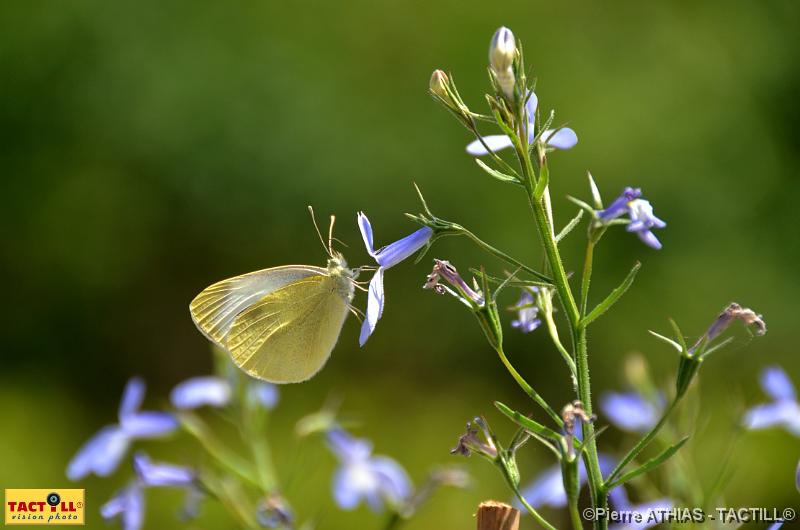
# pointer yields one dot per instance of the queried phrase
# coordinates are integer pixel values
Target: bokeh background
(149, 149)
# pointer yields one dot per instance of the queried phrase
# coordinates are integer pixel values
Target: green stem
(644, 442)
(539, 519)
(528, 388)
(575, 514)
(551, 327)
(502, 255)
(393, 521)
(586, 278)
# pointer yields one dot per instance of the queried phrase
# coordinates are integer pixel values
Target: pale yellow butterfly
(279, 324)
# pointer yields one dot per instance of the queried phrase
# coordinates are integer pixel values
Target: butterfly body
(278, 324)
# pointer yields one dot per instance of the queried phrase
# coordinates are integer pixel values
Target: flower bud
(502, 50)
(438, 84)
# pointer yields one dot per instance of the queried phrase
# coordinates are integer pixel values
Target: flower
(527, 311)
(470, 442)
(784, 410)
(361, 476)
(502, 49)
(200, 391)
(386, 257)
(160, 474)
(797, 477)
(652, 513)
(564, 138)
(102, 453)
(630, 411)
(731, 313)
(263, 394)
(128, 505)
(640, 213)
(274, 512)
(443, 270)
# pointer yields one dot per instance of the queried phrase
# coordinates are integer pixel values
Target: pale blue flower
(386, 257)
(784, 410)
(630, 411)
(548, 488)
(127, 505)
(363, 477)
(563, 138)
(527, 311)
(155, 474)
(776, 526)
(102, 453)
(263, 394)
(201, 391)
(640, 213)
(652, 513)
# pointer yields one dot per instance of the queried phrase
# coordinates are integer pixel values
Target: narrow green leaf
(598, 201)
(541, 182)
(527, 423)
(649, 465)
(570, 226)
(612, 298)
(502, 177)
(678, 334)
(716, 347)
(666, 339)
(511, 282)
(581, 204)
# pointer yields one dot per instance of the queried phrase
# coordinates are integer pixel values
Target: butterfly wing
(216, 307)
(288, 335)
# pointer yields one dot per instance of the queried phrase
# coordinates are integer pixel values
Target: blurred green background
(150, 149)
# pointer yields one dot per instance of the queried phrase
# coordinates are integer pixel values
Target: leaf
(570, 226)
(527, 423)
(666, 339)
(581, 204)
(612, 298)
(649, 465)
(678, 334)
(542, 182)
(502, 177)
(511, 282)
(598, 201)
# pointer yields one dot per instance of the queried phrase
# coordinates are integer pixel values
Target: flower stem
(575, 515)
(528, 388)
(539, 519)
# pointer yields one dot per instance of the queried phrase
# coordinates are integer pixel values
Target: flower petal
(132, 396)
(263, 394)
(652, 514)
(564, 138)
(200, 391)
(395, 485)
(649, 239)
(366, 232)
(347, 488)
(495, 142)
(128, 503)
(394, 253)
(346, 447)
(154, 474)
(149, 424)
(629, 411)
(530, 106)
(785, 413)
(374, 306)
(776, 384)
(100, 455)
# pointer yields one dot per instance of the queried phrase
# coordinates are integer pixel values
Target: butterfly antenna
(316, 227)
(330, 235)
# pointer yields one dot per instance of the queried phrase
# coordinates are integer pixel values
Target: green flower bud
(438, 84)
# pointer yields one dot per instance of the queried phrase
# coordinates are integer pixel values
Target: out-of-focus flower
(470, 442)
(127, 505)
(784, 410)
(156, 474)
(640, 213)
(650, 511)
(443, 270)
(527, 311)
(386, 257)
(797, 477)
(630, 411)
(548, 488)
(775, 526)
(563, 138)
(201, 391)
(361, 476)
(263, 394)
(102, 453)
(275, 512)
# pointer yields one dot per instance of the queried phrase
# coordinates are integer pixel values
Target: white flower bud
(438, 84)
(502, 50)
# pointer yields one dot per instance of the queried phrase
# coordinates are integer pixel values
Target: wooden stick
(494, 515)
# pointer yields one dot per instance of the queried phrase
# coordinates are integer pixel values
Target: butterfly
(279, 324)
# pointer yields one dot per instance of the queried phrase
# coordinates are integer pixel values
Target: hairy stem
(539, 519)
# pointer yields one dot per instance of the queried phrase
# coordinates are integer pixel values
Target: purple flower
(640, 213)
(784, 410)
(630, 411)
(128, 505)
(527, 311)
(102, 453)
(564, 138)
(651, 513)
(263, 394)
(361, 476)
(386, 257)
(160, 474)
(443, 270)
(201, 391)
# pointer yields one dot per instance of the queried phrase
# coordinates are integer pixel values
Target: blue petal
(263, 394)
(777, 384)
(132, 396)
(394, 482)
(347, 492)
(649, 239)
(100, 455)
(152, 474)
(346, 447)
(495, 142)
(656, 508)
(547, 490)
(797, 477)
(564, 138)
(374, 306)
(149, 424)
(129, 504)
(200, 391)
(530, 106)
(629, 411)
(776, 526)
(785, 413)
(366, 232)
(394, 253)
